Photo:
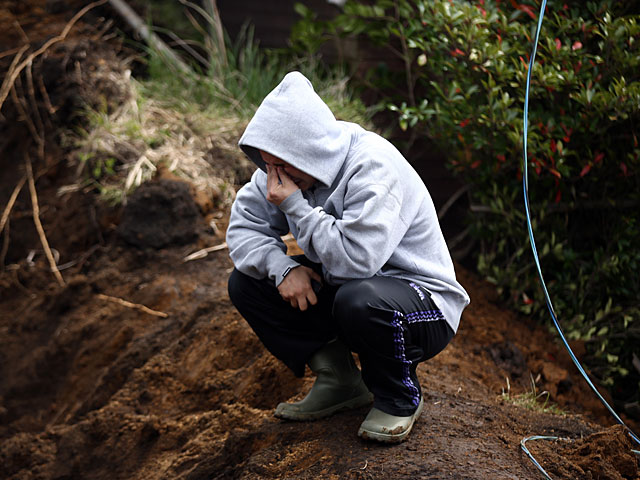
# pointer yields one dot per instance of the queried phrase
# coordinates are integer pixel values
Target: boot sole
(391, 437)
(283, 411)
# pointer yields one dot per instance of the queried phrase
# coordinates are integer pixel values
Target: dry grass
(121, 149)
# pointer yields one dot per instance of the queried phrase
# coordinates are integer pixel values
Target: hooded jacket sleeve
(253, 235)
(362, 241)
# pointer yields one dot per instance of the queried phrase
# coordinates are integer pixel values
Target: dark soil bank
(140, 368)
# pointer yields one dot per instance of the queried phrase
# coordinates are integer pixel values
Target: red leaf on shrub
(554, 146)
(558, 196)
(598, 158)
(526, 300)
(501, 158)
(483, 12)
(528, 10)
(585, 170)
(576, 46)
(577, 66)
(465, 122)
(456, 52)
(624, 169)
(558, 44)
(476, 164)
(523, 62)
(555, 172)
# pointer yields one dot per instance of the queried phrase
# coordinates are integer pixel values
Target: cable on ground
(525, 182)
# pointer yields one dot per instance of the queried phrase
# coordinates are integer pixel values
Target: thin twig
(204, 252)
(6, 53)
(12, 200)
(24, 35)
(38, 224)
(14, 71)
(80, 259)
(136, 306)
(36, 110)
(45, 96)
(5, 245)
(453, 199)
(22, 111)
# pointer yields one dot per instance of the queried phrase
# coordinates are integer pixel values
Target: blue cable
(525, 181)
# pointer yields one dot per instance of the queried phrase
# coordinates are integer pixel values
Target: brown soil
(92, 388)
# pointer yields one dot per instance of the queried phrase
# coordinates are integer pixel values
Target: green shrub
(462, 80)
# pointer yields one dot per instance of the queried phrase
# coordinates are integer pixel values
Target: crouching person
(376, 277)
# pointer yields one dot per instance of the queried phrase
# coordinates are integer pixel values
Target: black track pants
(391, 324)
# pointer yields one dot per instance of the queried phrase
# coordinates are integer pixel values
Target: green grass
(174, 118)
(531, 400)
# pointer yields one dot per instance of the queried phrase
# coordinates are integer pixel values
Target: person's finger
(315, 275)
(313, 299)
(286, 179)
(302, 304)
(270, 177)
(294, 302)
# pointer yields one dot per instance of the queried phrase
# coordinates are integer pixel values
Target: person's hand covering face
(279, 185)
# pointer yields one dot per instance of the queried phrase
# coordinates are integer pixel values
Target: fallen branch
(134, 20)
(38, 224)
(10, 203)
(204, 252)
(136, 306)
(14, 71)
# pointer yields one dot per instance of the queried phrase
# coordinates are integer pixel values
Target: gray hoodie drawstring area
(368, 214)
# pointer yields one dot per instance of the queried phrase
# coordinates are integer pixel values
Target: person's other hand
(279, 185)
(296, 287)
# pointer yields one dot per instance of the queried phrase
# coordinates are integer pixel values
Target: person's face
(301, 179)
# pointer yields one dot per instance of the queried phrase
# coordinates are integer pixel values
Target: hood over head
(295, 125)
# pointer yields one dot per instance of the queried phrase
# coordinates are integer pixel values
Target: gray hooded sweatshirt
(369, 213)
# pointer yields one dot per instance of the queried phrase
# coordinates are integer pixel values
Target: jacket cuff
(295, 206)
(281, 267)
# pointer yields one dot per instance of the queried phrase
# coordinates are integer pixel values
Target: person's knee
(351, 307)
(235, 286)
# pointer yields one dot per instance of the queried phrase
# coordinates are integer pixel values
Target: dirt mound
(600, 456)
(159, 214)
(139, 367)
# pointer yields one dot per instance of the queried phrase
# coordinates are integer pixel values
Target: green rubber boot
(386, 428)
(339, 386)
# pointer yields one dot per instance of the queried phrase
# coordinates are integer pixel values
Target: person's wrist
(287, 271)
